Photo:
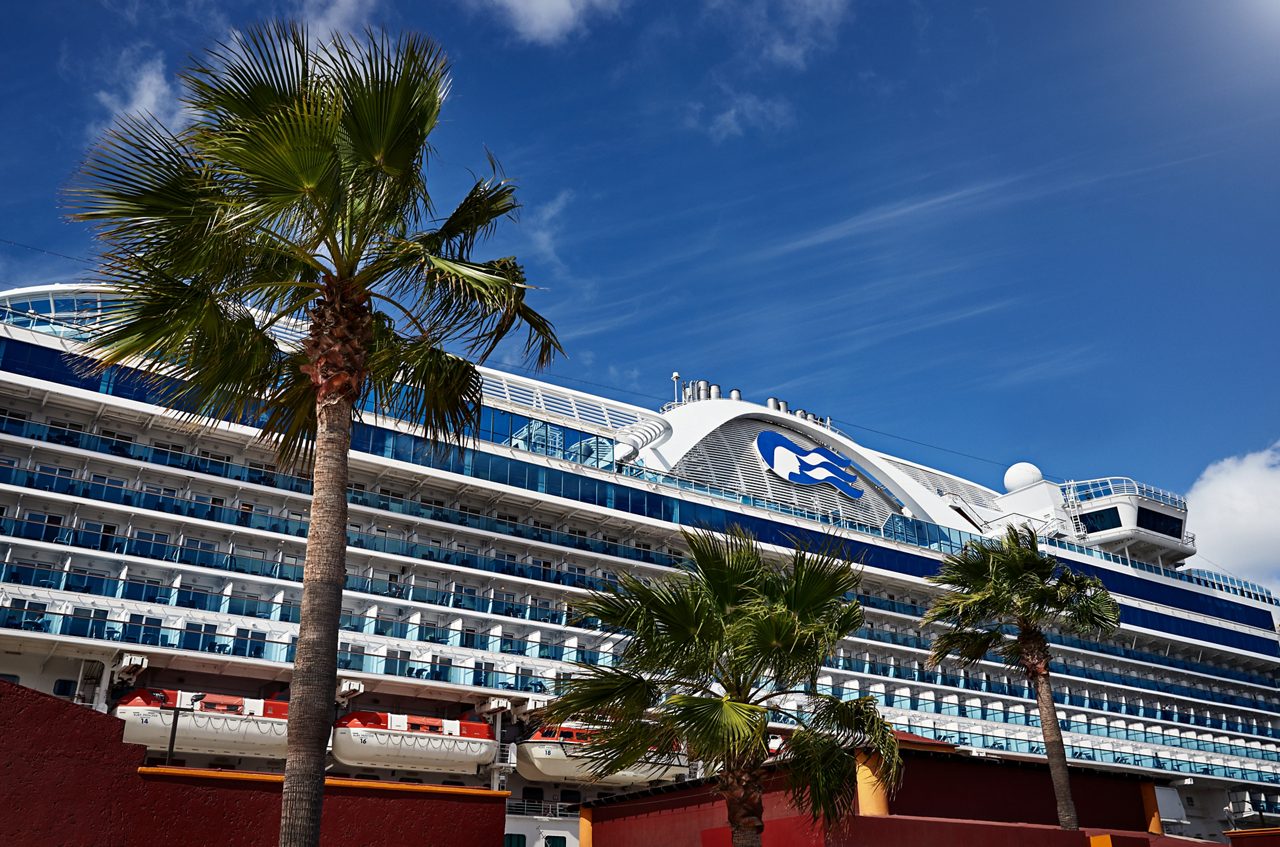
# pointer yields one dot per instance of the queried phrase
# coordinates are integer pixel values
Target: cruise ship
(152, 570)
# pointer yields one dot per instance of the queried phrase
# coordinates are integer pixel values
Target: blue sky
(1019, 231)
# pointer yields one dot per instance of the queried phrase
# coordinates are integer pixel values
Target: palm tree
(1004, 596)
(296, 197)
(712, 657)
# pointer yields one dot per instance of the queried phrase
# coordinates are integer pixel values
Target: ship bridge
(1121, 515)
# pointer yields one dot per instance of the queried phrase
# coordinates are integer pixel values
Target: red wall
(69, 781)
(896, 831)
(990, 790)
(696, 817)
(944, 800)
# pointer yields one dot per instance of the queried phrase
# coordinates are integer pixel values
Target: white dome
(1021, 475)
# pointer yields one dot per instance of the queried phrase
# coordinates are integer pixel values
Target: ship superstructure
(154, 569)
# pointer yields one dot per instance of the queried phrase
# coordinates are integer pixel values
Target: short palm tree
(296, 197)
(712, 656)
(1003, 597)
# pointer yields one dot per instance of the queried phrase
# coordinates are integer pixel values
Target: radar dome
(1021, 475)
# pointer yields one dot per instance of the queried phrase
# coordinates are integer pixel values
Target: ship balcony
(1139, 521)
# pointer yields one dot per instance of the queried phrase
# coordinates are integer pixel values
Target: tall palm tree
(296, 196)
(1004, 596)
(712, 656)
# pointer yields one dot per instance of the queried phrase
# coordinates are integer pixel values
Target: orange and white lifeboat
(412, 742)
(217, 724)
(559, 754)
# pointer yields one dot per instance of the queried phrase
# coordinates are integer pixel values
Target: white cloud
(1232, 509)
(551, 21)
(325, 17)
(785, 32)
(740, 113)
(144, 87)
(542, 227)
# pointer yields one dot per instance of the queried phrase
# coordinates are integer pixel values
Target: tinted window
(1161, 523)
(1100, 520)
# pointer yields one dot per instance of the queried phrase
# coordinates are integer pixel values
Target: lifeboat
(411, 742)
(216, 724)
(558, 754)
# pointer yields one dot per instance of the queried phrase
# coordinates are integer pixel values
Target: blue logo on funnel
(818, 466)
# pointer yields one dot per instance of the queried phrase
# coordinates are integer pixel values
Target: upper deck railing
(1096, 489)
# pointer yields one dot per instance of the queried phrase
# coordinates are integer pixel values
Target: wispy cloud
(541, 226)
(741, 111)
(142, 86)
(628, 377)
(325, 17)
(955, 202)
(550, 22)
(209, 14)
(784, 32)
(1046, 366)
(895, 213)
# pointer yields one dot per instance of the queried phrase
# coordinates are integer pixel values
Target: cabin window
(64, 688)
(8, 677)
(103, 479)
(556, 841)
(513, 839)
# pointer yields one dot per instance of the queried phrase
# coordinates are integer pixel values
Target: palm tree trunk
(1055, 750)
(744, 801)
(315, 669)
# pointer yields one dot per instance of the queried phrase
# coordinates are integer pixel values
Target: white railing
(1096, 489)
(539, 809)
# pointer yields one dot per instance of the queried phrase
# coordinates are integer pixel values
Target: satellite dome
(1021, 475)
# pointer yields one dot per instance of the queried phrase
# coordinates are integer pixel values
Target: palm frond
(717, 727)
(302, 167)
(824, 753)
(413, 379)
(1008, 583)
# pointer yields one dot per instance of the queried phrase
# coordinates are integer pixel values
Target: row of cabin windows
(100, 527)
(268, 467)
(260, 509)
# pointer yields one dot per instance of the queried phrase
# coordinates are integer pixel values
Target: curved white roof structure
(791, 461)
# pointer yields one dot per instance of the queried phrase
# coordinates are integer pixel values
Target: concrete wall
(68, 780)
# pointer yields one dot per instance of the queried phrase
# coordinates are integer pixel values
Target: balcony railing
(539, 809)
(302, 485)
(455, 636)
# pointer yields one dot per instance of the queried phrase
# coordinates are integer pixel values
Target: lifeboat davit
(411, 742)
(216, 724)
(558, 754)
